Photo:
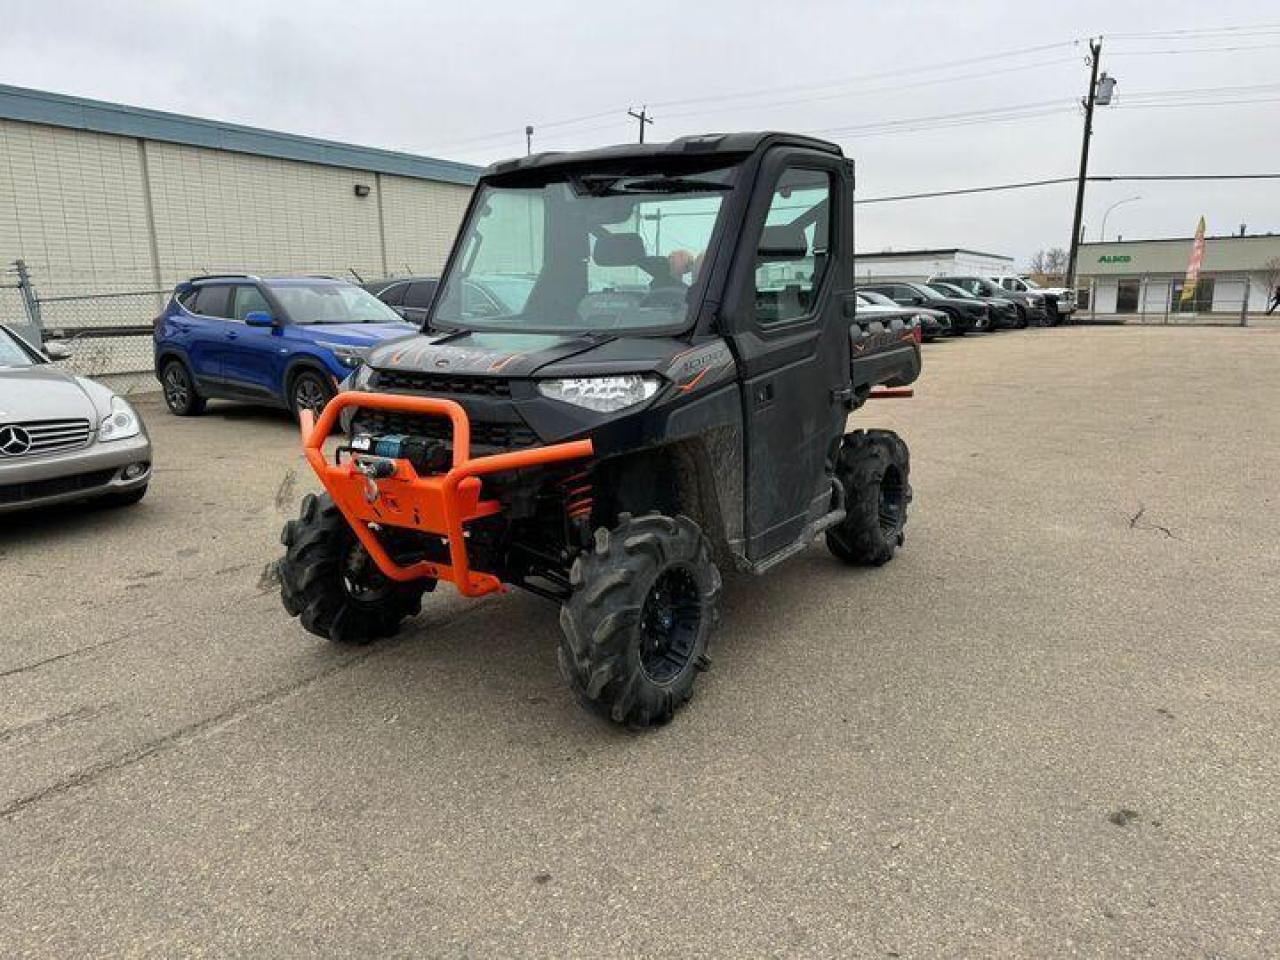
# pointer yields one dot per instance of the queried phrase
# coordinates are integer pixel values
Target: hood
(43, 393)
(358, 334)
(469, 352)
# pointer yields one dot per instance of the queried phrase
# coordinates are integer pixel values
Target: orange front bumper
(440, 504)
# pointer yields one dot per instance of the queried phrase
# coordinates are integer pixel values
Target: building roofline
(98, 116)
(929, 253)
(1229, 236)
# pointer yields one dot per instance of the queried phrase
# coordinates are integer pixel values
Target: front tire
(636, 628)
(180, 390)
(330, 583)
(309, 390)
(874, 468)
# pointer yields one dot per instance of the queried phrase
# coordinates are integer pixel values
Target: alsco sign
(1115, 258)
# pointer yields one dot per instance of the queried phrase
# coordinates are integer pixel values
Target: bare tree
(1050, 263)
(1271, 275)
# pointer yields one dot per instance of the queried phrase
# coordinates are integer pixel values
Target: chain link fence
(108, 334)
(1219, 301)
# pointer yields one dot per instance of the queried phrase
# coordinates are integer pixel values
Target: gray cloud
(432, 77)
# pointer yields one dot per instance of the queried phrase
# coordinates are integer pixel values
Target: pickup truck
(1059, 302)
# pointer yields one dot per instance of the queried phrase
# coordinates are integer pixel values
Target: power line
(1184, 52)
(513, 134)
(1092, 178)
(866, 91)
(823, 84)
(967, 190)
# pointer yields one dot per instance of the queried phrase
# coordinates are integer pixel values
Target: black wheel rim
(308, 394)
(669, 625)
(176, 391)
(892, 503)
(361, 578)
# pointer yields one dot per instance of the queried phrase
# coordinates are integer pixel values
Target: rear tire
(180, 390)
(874, 468)
(636, 627)
(331, 584)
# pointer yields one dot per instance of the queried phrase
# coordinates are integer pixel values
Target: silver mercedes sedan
(64, 437)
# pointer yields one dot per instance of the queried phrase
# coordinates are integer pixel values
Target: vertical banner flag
(1193, 268)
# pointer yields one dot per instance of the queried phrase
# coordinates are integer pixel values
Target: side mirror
(57, 351)
(259, 318)
(917, 300)
(404, 315)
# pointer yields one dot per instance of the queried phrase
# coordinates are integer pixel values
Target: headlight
(1036, 301)
(120, 423)
(603, 394)
(346, 354)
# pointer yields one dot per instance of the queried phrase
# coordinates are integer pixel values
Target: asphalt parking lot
(1048, 728)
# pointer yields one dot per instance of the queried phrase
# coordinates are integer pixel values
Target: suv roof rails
(225, 276)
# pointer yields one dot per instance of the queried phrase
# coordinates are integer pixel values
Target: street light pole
(1102, 234)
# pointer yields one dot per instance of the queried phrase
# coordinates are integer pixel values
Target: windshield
(1029, 283)
(599, 252)
(14, 354)
(308, 303)
(950, 290)
(925, 291)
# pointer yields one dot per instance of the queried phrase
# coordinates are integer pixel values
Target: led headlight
(602, 394)
(346, 354)
(120, 423)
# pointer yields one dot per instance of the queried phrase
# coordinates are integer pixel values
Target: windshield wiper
(603, 186)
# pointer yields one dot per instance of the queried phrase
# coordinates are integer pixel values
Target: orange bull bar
(440, 504)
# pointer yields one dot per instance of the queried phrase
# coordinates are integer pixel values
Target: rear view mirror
(259, 318)
(57, 351)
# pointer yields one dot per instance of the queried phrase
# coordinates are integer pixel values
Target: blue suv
(286, 342)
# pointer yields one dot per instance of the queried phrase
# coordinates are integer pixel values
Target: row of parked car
(953, 305)
(289, 342)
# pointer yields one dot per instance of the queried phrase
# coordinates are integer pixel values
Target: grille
(505, 436)
(35, 489)
(440, 383)
(50, 436)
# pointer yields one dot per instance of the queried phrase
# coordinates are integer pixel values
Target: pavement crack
(1139, 522)
(232, 714)
(79, 651)
(284, 492)
(54, 722)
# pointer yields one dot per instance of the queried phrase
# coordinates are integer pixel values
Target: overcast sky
(443, 78)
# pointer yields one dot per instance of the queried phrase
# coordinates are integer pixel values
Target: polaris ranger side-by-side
(663, 393)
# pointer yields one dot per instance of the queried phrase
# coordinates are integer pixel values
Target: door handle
(231, 334)
(763, 395)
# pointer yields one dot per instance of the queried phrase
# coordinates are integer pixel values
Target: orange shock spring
(579, 494)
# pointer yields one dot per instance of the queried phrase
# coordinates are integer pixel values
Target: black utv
(664, 394)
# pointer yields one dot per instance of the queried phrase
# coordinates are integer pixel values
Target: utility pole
(528, 140)
(643, 117)
(1095, 54)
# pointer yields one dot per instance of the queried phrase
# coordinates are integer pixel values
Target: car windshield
(598, 252)
(950, 290)
(925, 291)
(1030, 283)
(13, 353)
(320, 302)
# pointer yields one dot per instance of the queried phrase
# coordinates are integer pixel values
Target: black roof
(702, 145)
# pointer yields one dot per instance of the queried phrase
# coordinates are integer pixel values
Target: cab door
(793, 308)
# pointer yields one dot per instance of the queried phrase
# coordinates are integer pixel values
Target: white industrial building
(1146, 277)
(98, 198)
(922, 264)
